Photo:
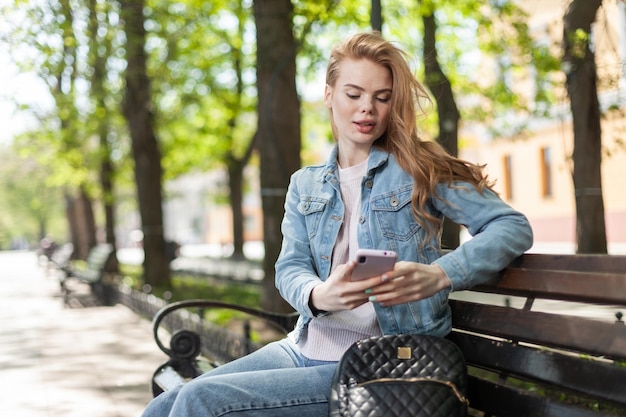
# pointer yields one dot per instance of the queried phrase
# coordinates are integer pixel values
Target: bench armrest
(284, 322)
(186, 345)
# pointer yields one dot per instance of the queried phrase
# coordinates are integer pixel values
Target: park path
(57, 361)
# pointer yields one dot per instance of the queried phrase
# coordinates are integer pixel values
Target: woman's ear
(328, 94)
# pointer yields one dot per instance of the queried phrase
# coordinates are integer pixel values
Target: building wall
(194, 214)
(552, 213)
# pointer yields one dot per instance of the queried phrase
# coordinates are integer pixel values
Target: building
(534, 172)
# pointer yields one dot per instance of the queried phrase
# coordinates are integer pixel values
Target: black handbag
(400, 376)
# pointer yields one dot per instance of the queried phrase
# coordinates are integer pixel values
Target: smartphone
(373, 262)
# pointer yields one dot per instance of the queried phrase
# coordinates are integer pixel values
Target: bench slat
(558, 331)
(582, 263)
(544, 366)
(600, 288)
(499, 400)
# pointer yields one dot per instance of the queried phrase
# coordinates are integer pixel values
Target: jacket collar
(377, 157)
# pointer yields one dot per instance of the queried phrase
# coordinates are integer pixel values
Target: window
(508, 177)
(545, 170)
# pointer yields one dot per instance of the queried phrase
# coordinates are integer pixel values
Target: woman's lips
(365, 126)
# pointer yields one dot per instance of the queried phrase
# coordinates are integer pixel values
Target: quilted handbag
(400, 376)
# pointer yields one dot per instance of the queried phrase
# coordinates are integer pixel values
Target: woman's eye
(352, 96)
(383, 99)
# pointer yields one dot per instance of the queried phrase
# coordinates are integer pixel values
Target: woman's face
(359, 103)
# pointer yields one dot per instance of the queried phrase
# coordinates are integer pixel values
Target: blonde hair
(427, 162)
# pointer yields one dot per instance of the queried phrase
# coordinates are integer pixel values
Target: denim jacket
(314, 213)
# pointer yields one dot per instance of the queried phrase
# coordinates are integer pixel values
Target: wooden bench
(61, 257)
(93, 273)
(547, 340)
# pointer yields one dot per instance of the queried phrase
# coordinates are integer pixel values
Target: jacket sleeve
(296, 274)
(499, 234)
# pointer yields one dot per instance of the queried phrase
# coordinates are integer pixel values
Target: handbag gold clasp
(404, 352)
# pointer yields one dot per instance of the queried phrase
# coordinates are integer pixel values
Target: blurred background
(170, 128)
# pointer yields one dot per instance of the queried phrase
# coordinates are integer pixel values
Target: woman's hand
(339, 292)
(409, 281)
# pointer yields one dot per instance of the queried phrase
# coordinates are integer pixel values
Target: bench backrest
(98, 256)
(62, 255)
(548, 338)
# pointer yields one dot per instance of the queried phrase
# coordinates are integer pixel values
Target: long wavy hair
(427, 162)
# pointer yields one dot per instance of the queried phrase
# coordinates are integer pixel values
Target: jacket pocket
(394, 214)
(312, 209)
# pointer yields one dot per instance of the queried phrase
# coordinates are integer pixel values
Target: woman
(382, 188)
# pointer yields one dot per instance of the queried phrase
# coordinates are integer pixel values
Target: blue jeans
(274, 381)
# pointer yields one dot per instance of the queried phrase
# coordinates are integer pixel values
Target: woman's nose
(366, 106)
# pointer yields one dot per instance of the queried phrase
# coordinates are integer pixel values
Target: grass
(187, 286)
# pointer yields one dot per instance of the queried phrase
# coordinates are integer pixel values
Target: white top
(328, 337)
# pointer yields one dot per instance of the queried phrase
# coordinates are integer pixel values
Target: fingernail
(384, 278)
(368, 291)
(372, 298)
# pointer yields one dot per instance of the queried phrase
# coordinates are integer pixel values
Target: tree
(71, 59)
(278, 125)
(581, 82)
(59, 64)
(99, 51)
(146, 153)
(447, 111)
(201, 65)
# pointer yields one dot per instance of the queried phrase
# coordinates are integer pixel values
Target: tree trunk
(278, 126)
(106, 173)
(88, 219)
(235, 182)
(236, 167)
(376, 16)
(98, 97)
(448, 113)
(146, 153)
(71, 221)
(82, 223)
(581, 82)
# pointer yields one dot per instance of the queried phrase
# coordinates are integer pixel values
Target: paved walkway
(57, 361)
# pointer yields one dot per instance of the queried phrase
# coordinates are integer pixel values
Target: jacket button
(394, 202)
(369, 183)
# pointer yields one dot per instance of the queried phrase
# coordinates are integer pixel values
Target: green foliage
(31, 206)
(202, 63)
(202, 58)
(51, 39)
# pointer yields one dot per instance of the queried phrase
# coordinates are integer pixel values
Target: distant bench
(61, 257)
(530, 350)
(91, 272)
